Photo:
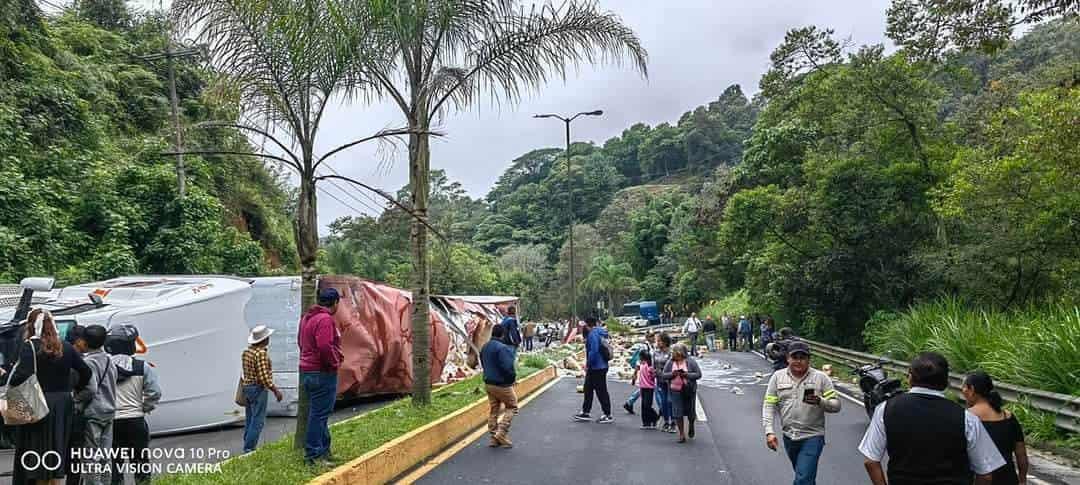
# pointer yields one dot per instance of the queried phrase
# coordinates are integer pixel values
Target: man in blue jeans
(258, 381)
(803, 396)
(320, 357)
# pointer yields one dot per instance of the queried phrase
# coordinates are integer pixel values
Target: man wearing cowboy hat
(257, 379)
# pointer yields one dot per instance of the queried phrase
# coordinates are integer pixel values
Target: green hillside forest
(853, 184)
(857, 182)
(85, 192)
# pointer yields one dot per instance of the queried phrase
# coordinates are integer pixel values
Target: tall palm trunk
(307, 245)
(419, 164)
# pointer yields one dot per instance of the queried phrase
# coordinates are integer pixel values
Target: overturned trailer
(195, 327)
(192, 326)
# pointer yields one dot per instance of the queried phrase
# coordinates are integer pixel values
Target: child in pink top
(647, 383)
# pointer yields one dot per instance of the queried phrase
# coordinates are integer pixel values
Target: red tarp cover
(376, 334)
(376, 337)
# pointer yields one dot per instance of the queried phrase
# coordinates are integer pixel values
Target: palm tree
(286, 61)
(444, 54)
(609, 278)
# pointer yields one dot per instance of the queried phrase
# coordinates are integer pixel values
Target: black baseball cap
(328, 296)
(797, 347)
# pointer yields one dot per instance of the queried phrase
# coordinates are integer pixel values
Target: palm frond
(513, 50)
(287, 59)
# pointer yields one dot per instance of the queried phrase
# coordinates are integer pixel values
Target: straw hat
(259, 333)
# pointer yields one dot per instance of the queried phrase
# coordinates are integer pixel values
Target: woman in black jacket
(45, 443)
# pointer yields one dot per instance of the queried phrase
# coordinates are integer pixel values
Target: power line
(349, 194)
(342, 202)
(361, 192)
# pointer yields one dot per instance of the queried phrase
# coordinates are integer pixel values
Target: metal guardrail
(1065, 408)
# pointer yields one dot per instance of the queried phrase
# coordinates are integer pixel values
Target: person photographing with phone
(802, 395)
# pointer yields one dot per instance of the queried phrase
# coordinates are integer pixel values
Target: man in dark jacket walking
(511, 331)
(499, 376)
(320, 357)
(596, 368)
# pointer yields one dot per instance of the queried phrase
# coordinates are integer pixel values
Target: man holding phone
(803, 395)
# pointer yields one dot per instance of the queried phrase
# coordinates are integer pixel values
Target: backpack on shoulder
(605, 349)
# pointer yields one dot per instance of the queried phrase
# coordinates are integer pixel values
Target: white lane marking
(700, 409)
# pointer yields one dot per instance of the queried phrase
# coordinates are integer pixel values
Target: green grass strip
(278, 463)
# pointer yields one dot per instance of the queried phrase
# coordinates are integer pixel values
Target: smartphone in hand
(809, 396)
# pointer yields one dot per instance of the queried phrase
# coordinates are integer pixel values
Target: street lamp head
(545, 116)
(595, 113)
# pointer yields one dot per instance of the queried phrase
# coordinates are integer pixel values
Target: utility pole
(570, 184)
(181, 184)
(170, 57)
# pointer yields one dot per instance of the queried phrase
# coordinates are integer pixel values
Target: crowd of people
(928, 438)
(97, 395)
(666, 373)
(739, 333)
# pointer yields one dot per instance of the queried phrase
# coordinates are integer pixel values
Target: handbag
(24, 403)
(678, 382)
(240, 398)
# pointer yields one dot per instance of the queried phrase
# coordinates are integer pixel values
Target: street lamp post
(570, 183)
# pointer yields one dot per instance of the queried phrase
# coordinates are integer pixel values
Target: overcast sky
(696, 49)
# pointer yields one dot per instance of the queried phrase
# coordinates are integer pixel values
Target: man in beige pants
(499, 376)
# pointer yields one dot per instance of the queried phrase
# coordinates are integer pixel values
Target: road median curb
(405, 452)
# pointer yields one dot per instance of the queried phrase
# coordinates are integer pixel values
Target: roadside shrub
(1038, 425)
(1045, 350)
(735, 304)
(534, 361)
(1037, 347)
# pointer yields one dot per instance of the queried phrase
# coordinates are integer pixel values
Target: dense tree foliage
(857, 181)
(84, 190)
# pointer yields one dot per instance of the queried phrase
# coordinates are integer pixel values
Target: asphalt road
(729, 449)
(227, 441)
(550, 448)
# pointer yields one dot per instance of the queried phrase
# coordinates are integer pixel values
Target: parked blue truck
(646, 310)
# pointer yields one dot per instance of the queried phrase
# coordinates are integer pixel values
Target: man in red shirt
(320, 357)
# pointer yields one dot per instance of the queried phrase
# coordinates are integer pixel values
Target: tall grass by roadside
(535, 361)
(735, 304)
(1035, 347)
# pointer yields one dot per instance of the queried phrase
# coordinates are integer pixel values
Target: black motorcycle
(876, 386)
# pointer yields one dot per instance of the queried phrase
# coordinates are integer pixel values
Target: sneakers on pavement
(628, 408)
(503, 440)
(582, 417)
(494, 443)
(605, 419)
